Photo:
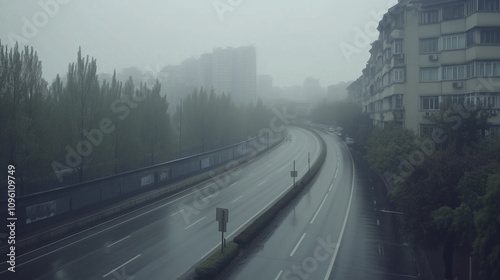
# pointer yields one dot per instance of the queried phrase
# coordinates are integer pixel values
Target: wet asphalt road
(164, 239)
(341, 228)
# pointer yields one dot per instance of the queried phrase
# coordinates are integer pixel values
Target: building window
(378, 105)
(385, 80)
(398, 75)
(485, 100)
(470, 70)
(397, 46)
(386, 105)
(399, 20)
(387, 54)
(455, 72)
(430, 103)
(454, 42)
(490, 36)
(429, 74)
(429, 45)
(426, 130)
(488, 5)
(458, 99)
(470, 7)
(454, 99)
(429, 17)
(470, 38)
(398, 101)
(453, 12)
(487, 68)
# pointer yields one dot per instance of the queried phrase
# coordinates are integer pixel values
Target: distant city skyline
(294, 40)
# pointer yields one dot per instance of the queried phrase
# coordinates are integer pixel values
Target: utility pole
(180, 128)
(309, 160)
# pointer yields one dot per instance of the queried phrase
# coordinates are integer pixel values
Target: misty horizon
(293, 40)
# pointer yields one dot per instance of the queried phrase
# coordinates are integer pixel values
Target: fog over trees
(81, 127)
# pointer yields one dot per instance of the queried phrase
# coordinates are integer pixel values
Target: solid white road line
(195, 223)
(190, 192)
(329, 270)
(118, 241)
(319, 208)
(278, 276)
(177, 212)
(242, 225)
(124, 264)
(234, 200)
(103, 230)
(297, 246)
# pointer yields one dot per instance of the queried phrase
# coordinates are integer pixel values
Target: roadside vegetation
(446, 184)
(77, 128)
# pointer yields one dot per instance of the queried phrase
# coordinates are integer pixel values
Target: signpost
(222, 216)
(293, 173)
(309, 160)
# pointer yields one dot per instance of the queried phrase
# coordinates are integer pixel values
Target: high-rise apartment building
(429, 51)
(234, 72)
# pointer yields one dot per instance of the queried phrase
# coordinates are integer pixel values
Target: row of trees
(447, 184)
(79, 128)
(208, 120)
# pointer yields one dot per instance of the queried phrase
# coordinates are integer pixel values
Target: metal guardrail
(151, 195)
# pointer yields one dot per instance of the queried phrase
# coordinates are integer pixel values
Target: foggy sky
(294, 39)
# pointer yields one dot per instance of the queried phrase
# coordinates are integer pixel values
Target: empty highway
(164, 239)
(335, 231)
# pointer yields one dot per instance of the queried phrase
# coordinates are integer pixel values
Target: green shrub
(209, 268)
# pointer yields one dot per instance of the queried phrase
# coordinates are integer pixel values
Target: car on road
(330, 129)
(349, 140)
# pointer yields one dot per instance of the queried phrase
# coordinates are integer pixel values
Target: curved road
(164, 240)
(338, 229)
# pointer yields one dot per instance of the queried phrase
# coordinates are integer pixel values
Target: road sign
(222, 216)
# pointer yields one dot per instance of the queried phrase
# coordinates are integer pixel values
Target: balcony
(398, 114)
(482, 19)
(396, 34)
